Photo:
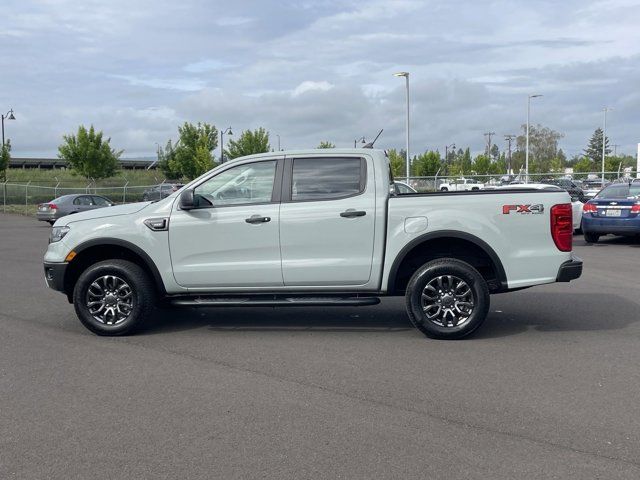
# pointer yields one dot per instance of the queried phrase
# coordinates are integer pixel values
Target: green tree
(426, 164)
(465, 162)
(5, 158)
(543, 147)
(249, 142)
(594, 149)
(325, 144)
(612, 164)
(89, 154)
(167, 161)
(482, 164)
(495, 152)
(397, 162)
(193, 153)
(584, 165)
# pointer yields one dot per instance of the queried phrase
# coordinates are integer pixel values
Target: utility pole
(509, 138)
(615, 149)
(488, 136)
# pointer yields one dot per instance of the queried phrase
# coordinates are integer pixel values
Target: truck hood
(105, 212)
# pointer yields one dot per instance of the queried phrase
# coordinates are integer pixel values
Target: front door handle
(351, 213)
(257, 219)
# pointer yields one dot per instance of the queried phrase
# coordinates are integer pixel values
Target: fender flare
(495, 259)
(116, 242)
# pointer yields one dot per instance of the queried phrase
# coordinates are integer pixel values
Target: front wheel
(591, 237)
(447, 299)
(113, 297)
(444, 189)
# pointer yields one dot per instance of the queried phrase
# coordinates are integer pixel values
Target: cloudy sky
(315, 70)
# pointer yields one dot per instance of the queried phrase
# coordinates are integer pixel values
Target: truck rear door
(327, 220)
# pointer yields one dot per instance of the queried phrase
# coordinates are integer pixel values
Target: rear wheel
(590, 237)
(447, 299)
(444, 189)
(113, 297)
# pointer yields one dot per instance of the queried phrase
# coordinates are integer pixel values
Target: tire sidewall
(130, 273)
(462, 270)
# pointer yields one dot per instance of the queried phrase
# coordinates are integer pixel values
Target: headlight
(58, 233)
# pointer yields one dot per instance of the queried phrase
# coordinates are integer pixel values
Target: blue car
(614, 210)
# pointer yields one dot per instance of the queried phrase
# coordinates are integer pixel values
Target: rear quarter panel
(522, 241)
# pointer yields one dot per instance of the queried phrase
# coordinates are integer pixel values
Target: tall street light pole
(222, 132)
(604, 139)
(446, 151)
(277, 135)
(9, 116)
(526, 154)
(406, 77)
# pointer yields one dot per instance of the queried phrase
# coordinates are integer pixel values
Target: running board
(274, 301)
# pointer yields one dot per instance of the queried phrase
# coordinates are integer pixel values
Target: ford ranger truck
(310, 228)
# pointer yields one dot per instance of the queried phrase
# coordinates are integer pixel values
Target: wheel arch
(96, 250)
(447, 243)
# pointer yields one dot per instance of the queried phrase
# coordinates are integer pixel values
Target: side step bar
(274, 301)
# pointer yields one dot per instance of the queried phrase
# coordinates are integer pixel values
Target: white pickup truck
(310, 228)
(461, 185)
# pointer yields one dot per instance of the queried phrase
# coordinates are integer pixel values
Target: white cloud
(310, 86)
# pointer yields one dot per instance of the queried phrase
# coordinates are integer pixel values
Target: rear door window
(327, 178)
(100, 201)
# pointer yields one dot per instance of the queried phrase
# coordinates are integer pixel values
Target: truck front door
(232, 238)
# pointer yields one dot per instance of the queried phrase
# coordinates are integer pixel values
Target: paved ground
(548, 388)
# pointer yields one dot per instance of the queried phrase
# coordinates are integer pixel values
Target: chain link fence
(25, 197)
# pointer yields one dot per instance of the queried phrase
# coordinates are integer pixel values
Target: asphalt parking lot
(548, 388)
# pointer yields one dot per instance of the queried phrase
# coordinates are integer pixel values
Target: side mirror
(575, 198)
(187, 201)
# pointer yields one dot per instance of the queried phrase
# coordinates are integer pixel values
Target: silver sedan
(70, 204)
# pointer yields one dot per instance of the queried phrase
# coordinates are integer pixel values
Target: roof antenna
(370, 144)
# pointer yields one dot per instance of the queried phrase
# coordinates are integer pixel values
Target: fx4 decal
(534, 209)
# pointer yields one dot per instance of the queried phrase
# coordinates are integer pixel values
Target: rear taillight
(562, 226)
(53, 206)
(589, 208)
(635, 208)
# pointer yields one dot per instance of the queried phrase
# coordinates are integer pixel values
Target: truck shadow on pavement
(522, 312)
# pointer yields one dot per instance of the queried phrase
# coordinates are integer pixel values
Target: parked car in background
(592, 187)
(70, 204)
(158, 192)
(615, 210)
(567, 184)
(402, 188)
(461, 185)
(576, 205)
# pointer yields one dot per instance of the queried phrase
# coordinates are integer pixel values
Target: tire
(51, 222)
(591, 237)
(145, 198)
(426, 278)
(116, 318)
(444, 189)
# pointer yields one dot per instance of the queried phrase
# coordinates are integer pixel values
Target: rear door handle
(351, 213)
(257, 219)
